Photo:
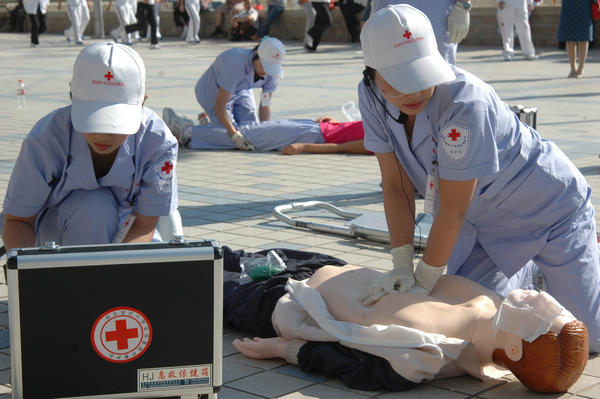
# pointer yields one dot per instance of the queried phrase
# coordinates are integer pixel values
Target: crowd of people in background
(140, 20)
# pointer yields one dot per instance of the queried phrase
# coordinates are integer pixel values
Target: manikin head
(546, 347)
(552, 363)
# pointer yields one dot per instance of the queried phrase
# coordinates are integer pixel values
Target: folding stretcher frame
(116, 321)
(370, 226)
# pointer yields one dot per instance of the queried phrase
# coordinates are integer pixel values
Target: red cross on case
(109, 76)
(167, 168)
(407, 34)
(121, 334)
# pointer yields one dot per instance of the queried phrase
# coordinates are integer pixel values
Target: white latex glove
(241, 142)
(399, 279)
(458, 23)
(427, 276)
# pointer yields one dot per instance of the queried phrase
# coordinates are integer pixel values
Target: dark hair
(369, 80)
(552, 363)
(368, 75)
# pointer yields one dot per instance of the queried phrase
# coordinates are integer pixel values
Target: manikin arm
(351, 147)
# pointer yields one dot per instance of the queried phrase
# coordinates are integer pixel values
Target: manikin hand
(458, 23)
(293, 149)
(399, 279)
(241, 142)
(327, 119)
(427, 276)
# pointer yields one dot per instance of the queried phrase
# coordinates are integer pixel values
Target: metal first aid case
(116, 321)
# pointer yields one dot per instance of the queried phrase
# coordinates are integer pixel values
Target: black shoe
(218, 31)
(309, 48)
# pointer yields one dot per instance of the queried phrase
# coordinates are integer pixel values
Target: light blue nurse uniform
(437, 11)
(232, 70)
(531, 207)
(54, 178)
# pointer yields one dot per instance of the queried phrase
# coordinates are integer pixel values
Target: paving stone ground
(229, 195)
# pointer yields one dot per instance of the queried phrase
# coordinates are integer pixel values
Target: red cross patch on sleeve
(456, 141)
(164, 170)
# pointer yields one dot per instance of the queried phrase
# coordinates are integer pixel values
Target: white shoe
(178, 125)
(531, 57)
(154, 47)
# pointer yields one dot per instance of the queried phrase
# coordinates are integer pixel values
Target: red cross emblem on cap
(167, 168)
(109, 76)
(454, 134)
(407, 34)
(431, 185)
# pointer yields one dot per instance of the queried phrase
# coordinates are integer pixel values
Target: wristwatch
(465, 4)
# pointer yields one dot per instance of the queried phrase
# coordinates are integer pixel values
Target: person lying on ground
(324, 135)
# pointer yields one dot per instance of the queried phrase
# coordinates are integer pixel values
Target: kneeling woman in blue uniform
(225, 89)
(506, 202)
(98, 171)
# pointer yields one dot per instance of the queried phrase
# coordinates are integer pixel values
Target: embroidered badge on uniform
(163, 173)
(456, 141)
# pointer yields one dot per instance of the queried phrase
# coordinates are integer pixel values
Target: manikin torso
(457, 307)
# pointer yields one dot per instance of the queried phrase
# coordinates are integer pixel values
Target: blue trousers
(84, 217)
(273, 12)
